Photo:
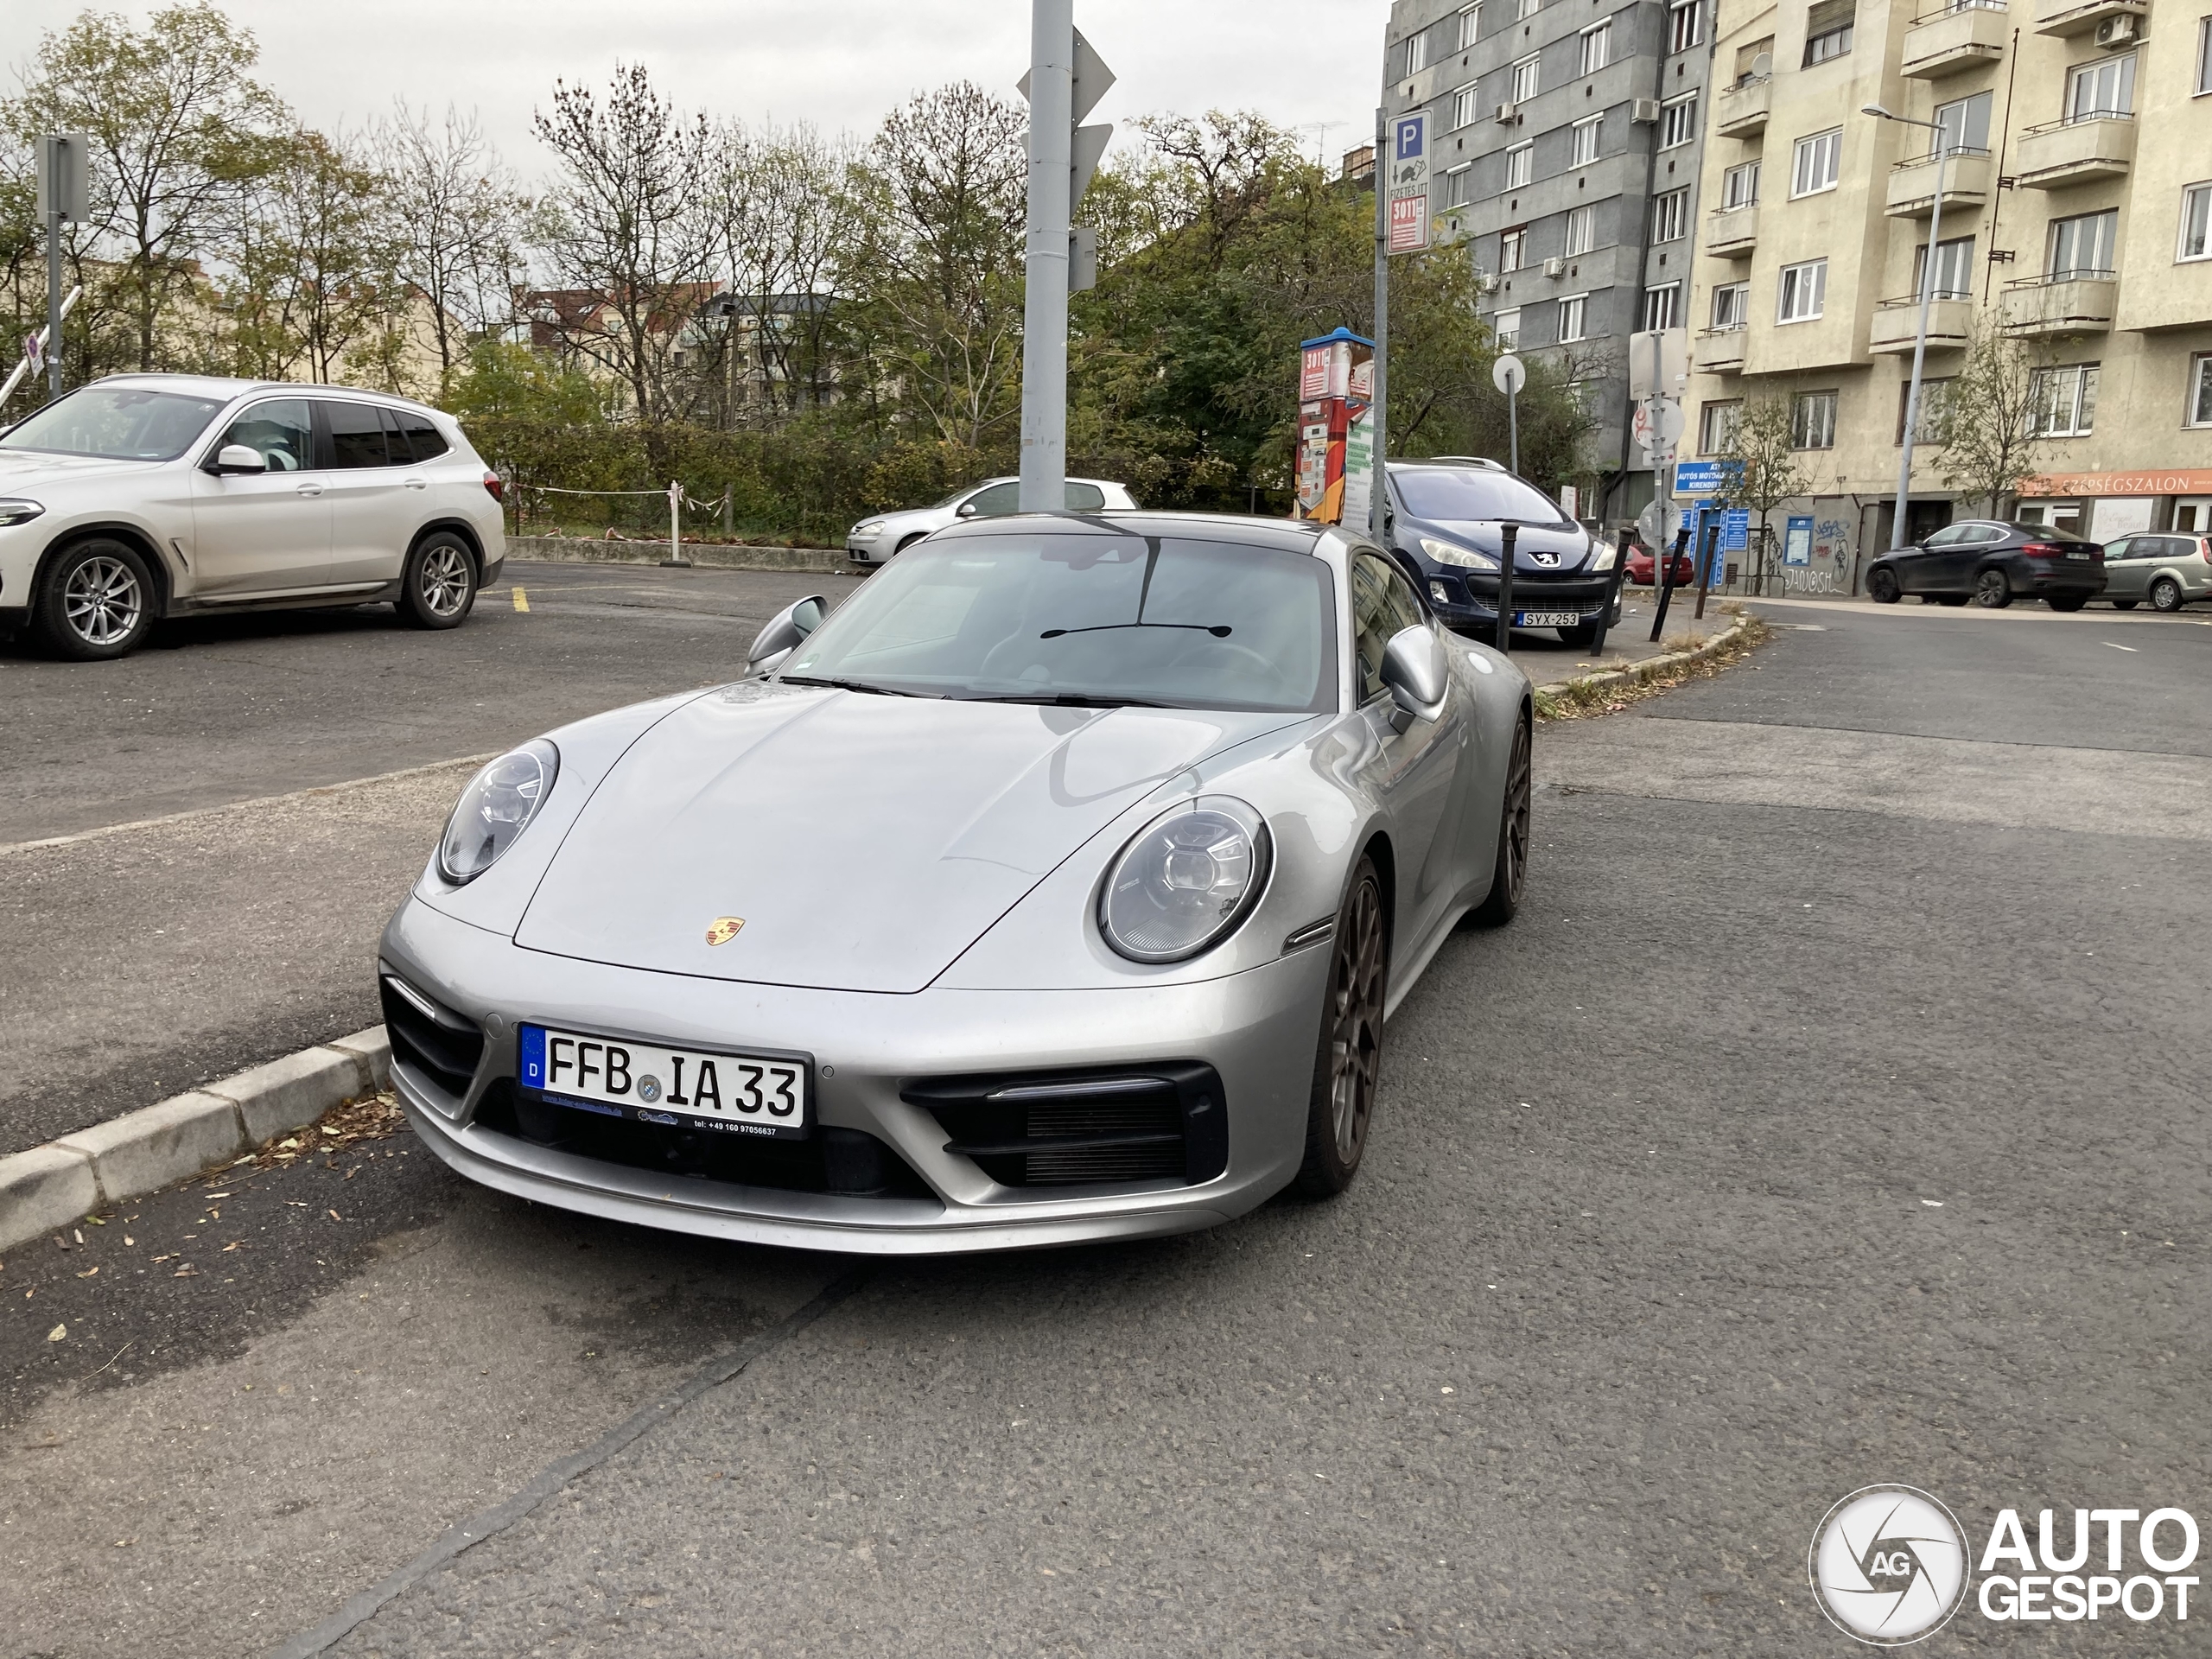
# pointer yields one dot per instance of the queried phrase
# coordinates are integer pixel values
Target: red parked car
(1641, 564)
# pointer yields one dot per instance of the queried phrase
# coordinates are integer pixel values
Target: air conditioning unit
(2123, 30)
(1554, 267)
(1645, 110)
(1509, 114)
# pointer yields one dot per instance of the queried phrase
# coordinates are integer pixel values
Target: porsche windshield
(116, 423)
(1087, 621)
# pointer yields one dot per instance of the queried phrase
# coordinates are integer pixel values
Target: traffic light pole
(1044, 315)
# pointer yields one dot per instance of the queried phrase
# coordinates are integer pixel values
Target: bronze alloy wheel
(1349, 1062)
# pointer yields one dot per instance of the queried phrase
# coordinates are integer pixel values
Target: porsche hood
(862, 841)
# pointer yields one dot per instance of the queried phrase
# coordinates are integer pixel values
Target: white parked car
(876, 541)
(143, 496)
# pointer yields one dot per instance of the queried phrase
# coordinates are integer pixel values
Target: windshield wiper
(865, 686)
(1070, 700)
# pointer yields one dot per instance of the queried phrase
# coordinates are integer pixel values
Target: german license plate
(2075, 552)
(1546, 619)
(690, 1087)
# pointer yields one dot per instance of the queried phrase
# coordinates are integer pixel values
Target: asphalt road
(1827, 1117)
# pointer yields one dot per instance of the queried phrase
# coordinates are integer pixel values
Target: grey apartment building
(1565, 138)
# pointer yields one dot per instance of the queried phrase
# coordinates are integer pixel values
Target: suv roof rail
(1458, 460)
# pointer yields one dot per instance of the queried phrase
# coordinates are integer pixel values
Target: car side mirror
(1414, 671)
(237, 458)
(968, 510)
(784, 632)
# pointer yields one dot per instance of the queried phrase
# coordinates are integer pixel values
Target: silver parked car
(2170, 571)
(878, 540)
(1056, 887)
(143, 496)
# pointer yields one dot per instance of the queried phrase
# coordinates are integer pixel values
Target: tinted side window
(1085, 498)
(1981, 533)
(2126, 548)
(356, 436)
(1382, 606)
(422, 437)
(279, 431)
(1949, 536)
(998, 499)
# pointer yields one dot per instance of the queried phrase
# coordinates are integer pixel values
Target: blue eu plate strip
(533, 1057)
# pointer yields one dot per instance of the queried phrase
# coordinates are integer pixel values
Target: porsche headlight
(496, 807)
(1607, 552)
(1185, 881)
(1453, 553)
(14, 510)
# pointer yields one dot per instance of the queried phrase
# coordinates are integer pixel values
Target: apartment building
(2077, 218)
(1565, 143)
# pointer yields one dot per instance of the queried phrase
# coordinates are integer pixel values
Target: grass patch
(1582, 700)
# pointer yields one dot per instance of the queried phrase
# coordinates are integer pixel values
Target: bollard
(1666, 576)
(1612, 591)
(1506, 532)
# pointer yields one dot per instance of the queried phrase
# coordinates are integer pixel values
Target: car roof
(1481, 462)
(226, 388)
(1103, 483)
(1287, 534)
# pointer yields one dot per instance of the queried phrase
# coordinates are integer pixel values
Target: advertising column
(1336, 431)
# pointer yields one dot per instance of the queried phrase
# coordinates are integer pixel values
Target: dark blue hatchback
(1445, 519)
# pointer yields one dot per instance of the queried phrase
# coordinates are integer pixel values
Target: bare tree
(174, 121)
(784, 219)
(1985, 422)
(457, 213)
(627, 223)
(1761, 462)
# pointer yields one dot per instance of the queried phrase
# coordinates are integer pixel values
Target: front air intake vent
(443, 1047)
(1095, 1127)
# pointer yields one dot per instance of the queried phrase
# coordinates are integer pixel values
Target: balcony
(1740, 112)
(2066, 17)
(2064, 302)
(1955, 37)
(1896, 327)
(2062, 152)
(1721, 350)
(1968, 176)
(1733, 232)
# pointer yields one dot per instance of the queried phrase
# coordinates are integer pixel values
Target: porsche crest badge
(724, 930)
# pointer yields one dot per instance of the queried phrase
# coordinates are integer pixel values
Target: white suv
(150, 495)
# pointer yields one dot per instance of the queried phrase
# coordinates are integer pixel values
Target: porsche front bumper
(1257, 1030)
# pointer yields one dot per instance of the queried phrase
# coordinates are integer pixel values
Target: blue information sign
(1797, 540)
(1736, 530)
(1698, 477)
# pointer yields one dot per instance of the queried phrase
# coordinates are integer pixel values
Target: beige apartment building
(2076, 216)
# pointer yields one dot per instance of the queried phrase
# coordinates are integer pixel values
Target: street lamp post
(1898, 517)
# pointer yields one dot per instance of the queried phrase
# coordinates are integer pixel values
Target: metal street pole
(1044, 315)
(54, 302)
(1513, 426)
(1378, 504)
(1899, 534)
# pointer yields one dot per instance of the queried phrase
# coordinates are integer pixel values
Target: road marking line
(522, 600)
(2126, 648)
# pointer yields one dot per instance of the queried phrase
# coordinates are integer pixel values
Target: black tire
(1992, 589)
(97, 601)
(1509, 873)
(907, 543)
(1348, 1054)
(439, 587)
(1882, 586)
(1580, 637)
(1955, 600)
(2066, 602)
(2165, 595)
(2125, 604)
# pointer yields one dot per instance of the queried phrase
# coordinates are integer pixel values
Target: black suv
(1992, 562)
(1445, 519)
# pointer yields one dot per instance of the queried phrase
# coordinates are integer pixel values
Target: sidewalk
(1547, 659)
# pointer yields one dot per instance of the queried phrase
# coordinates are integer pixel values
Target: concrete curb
(711, 556)
(1651, 668)
(141, 1152)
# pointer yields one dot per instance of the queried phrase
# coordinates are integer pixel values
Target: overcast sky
(837, 63)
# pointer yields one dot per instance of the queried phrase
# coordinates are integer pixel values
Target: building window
(1716, 426)
(1678, 121)
(1663, 306)
(1471, 24)
(1512, 250)
(1954, 268)
(1464, 106)
(2195, 222)
(2200, 390)
(2204, 55)
(1525, 78)
(1965, 124)
(1739, 185)
(1506, 324)
(2100, 90)
(1596, 47)
(1812, 421)
(1520, 165)
(1804, 293)
(1581, 230)
(1732, 307)
(1455, 187)
(1417, 53)
(1817, 160)
(2083, 246)
(2063, 403)
(1670, 215)
(1587, 136)
(1572, 313)
(1685, 24)
(1827, 31)
(1524, 9)
(1929, 427)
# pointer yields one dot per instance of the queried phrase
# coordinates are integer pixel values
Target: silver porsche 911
(1055, 887)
